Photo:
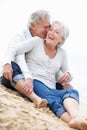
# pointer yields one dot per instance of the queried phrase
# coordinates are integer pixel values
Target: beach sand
(18, 113)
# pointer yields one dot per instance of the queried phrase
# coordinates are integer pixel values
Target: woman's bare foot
(42, 103)
(78, 123)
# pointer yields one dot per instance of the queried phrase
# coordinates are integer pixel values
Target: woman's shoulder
(62, 51)
(37, 39)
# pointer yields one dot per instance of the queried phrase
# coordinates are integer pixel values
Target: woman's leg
(19, 83)
(36, 99)
(53, 98)
(72, 107)
(65, 117)
(62, 103)
(72, 110)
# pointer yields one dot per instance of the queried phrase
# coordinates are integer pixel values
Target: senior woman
(45, 58)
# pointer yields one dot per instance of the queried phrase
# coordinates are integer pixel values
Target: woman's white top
(41, 67)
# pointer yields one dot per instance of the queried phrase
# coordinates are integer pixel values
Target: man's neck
(32, 32)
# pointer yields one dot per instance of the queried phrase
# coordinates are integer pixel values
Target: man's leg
(16, 72)
(6, 83)
(59, 86)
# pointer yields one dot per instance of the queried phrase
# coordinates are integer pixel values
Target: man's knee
(59, 86)
(16, 69)
(6, 83)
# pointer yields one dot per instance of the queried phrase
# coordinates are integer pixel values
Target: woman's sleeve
(64, 66)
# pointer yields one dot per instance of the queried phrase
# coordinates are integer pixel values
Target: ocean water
(78, 67)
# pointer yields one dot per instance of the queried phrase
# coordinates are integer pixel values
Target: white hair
(37, 16)
(64, 31)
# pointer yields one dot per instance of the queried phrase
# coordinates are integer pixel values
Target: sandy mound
(18, 113)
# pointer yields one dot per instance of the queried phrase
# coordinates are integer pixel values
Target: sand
(18, 113)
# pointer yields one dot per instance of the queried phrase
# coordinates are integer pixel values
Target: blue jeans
(17, 75)
(54, 97)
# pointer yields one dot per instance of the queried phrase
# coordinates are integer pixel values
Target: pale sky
(14, 15)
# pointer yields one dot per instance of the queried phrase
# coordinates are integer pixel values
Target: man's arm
(20, 59)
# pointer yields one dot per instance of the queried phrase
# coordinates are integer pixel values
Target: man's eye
(57, 32)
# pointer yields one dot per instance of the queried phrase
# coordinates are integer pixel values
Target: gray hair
(37, 16)
(64, 31)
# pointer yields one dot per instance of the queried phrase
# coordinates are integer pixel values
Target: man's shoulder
(22, 35)
(26, 32)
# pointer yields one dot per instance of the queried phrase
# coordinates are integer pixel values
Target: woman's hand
(28, 86)
(65, 78)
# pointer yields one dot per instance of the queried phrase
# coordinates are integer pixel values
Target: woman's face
(54, 35)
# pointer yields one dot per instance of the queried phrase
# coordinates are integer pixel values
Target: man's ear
(33, 25)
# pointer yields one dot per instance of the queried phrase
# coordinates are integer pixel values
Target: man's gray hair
(37, 16)
(64, 30)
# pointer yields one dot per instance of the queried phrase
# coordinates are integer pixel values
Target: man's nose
(47, 29)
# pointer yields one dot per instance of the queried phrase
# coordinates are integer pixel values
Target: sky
(14, 15)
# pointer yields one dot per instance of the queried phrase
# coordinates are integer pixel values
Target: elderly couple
(35, 62)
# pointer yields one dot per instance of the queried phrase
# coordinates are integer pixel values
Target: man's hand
(7, 71)
(65, 78)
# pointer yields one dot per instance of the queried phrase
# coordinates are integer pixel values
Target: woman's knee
(73, 93)
(20, 84)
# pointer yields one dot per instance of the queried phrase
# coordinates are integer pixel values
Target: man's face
(41, 28)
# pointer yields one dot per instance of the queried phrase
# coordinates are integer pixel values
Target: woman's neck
(49, 46)
(50, 50)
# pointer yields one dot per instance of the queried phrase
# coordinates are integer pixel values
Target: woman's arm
(64, 74)
(24, 46)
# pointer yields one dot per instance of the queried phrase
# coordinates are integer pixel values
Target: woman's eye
(57, 32)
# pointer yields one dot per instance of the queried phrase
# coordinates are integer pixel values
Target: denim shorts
(54, 97)
(17, 75)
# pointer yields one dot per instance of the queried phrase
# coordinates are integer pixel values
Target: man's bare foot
(42, 103)
(78, 123)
